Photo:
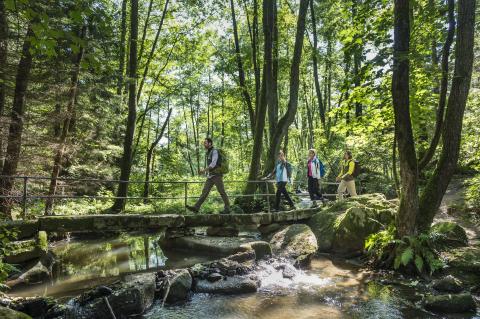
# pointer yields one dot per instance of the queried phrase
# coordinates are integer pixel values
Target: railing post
(186, 196)
(268, 196)
(24, 198)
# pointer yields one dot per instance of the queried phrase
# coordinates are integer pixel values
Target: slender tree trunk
(318, 91)
(3, 73)
(150, 151)
(443, 88)
(273, 104)
(241, 72)
(289, 116)
(16, 124)
(432, 195)
(261, 112)
(152, 52)
(3, 54)
(126, 166)
(72, 94)
(408, 209)
(144, 33)
(123, 35)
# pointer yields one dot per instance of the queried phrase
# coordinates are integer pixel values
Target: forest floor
(455, 198)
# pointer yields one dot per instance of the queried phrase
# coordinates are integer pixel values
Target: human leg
(341, 189)
(351, 188)
(218, 180)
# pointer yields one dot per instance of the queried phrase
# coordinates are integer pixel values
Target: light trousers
(348, 186)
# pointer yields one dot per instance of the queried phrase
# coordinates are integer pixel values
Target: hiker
(283, 173)
(346, 176)
(315, 171)
(214, 172)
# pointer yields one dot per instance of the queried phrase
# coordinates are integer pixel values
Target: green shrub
(6, 237)
(411, 253)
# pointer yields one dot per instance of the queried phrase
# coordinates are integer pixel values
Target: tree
(126, 164)
(67, 122)
(408, 209)
(17, 121)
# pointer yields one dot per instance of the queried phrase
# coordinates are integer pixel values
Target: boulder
(448, 235)
(230, 285)
(36, 307)
(297, 241)
(222, 231)
(356, 224)
(26, 250)
(214, 245)
(180, 285)
(262, 249)
(323, 226)
(450, 303)
(447, 284)
(466, 259)
(7, 313)
(132, 296)
(343, 226)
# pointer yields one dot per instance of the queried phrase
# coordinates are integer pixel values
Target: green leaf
(407, 256)
(419, 263)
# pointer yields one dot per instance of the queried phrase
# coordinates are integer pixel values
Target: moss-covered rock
(356, 224)
(463, 258)
(297, 241)
(343, 226)
(447, 284)
(450, 303)
(449, 234)
(7, 313)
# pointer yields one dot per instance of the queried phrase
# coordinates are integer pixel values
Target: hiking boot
(192, 208)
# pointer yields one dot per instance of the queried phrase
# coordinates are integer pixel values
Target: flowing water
(327, 290)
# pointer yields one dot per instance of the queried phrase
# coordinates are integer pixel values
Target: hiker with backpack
(283, 174)
(315, 171)
(350, 170)
(216, 165)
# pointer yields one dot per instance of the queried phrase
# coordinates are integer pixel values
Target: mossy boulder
(463, 258)
(7, 313)
(343, 226)
(450, 303)
(448, 235)
(297, 241)
(448, 284)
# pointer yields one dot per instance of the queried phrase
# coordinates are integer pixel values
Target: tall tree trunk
(408, 209)
(152, 52)
(289, 116)
(3, 73)
(70, 110)
(241, 72)
(265, 96)
(16, 124)
(432, 195)
(132, 111)
(150, 150)
(123, 35)
(144, 33)
(443, 88)
(273, 104)
(318, 91)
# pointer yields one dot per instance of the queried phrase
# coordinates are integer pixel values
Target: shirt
(281, 173)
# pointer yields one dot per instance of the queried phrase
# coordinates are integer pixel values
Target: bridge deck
(125, 222)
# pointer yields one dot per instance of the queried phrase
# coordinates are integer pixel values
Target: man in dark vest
(213, 162)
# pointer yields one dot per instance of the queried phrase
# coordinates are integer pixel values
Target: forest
(105, 106)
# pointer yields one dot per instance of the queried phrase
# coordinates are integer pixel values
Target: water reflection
(82, 264)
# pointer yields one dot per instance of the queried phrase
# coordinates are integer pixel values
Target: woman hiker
(346, 179)
(283, 173)
(315, 171)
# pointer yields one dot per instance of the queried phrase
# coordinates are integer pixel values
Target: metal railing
(22, 196)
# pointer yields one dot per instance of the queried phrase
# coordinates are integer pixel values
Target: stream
(330, 288)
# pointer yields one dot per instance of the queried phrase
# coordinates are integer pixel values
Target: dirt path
(455, 196)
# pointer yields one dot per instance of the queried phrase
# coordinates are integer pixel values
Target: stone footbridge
(130, 222)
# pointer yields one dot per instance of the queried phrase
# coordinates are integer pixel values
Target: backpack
(222, 166)
(322, 169)
(357, 170)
